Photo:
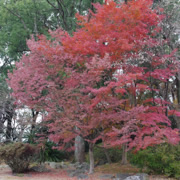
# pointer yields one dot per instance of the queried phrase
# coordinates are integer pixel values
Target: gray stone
(76, 164)
(57, 165)
(52, 165)
(82, 176)
(122, 176)
(71, 165)
(40, 168)
(76, 172)
(47, 163)
(79, 170)
(62, 165)
(143, 176)
(139, 176)
(81, 166)
(84, 167)
(133, 178)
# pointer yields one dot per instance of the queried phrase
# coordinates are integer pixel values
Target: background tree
(169, 36)
(6, 112)
(21, 19)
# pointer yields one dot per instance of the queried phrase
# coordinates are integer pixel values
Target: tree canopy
(104, 82)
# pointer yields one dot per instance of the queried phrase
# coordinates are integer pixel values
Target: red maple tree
(100, 83)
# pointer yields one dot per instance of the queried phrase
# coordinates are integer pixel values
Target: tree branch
(19, 17)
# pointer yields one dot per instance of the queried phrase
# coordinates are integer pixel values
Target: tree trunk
(79, 149)
(91, 158)
(9, 112)
(124, 154)
(1, 126)
(8, 130)
(34, 118)
(177, 119)
(33, 125)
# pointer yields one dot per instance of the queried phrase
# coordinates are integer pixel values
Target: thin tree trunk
(91, 158)
(124, 154)
(9, 115)
(8, 130)
(177, 119)
(107, 156)
(178, 87)
(33, 125)
(34, 118)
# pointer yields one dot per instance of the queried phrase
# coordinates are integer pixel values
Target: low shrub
(161, 159)
(18, 156)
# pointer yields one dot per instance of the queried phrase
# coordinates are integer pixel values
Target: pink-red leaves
(97, 83)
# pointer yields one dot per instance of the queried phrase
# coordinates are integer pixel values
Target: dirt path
(54, 174)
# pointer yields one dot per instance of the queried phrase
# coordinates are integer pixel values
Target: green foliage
(18, 156)
(47, 153)
(23, 18)
(162, 159)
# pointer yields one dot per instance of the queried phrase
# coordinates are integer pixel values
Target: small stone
(52, 165)
(47, 163)
(71, 165)
(58, 166)
(133, 178)
(40, 168)
(76, 164)
(82, 176)
(122, 176)
(139, 176)
(143, 176)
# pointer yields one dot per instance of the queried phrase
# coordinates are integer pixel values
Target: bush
(161, 159)
(18, 156)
